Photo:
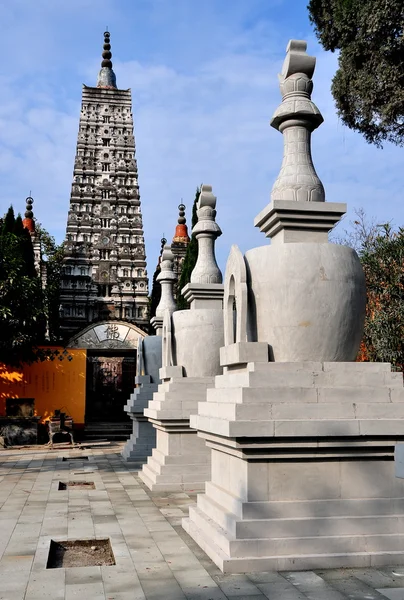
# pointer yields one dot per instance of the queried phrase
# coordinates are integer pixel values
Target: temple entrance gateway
(111, 368)
(109, 383)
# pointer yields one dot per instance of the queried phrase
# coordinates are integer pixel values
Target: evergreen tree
(368, 87)
(8, 221)
(21, 312)
(190, 259)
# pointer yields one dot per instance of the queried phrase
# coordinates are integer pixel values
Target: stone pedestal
(302, 467)
(143, 439)
(180, 460)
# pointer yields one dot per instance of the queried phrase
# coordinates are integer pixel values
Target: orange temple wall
(57, 384)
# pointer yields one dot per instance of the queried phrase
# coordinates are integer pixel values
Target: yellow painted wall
(57, 384)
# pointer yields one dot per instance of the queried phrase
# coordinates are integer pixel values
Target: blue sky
(204, 85)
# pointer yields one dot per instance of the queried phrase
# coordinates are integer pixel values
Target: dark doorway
(110, 381)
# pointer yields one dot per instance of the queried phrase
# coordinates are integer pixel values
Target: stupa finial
(181, 230)
(206, 231)
(106, 76)
(167, 278)
(296, 117)
(28, 220)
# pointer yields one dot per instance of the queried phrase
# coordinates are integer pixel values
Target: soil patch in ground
(78, 485)
(80, 553)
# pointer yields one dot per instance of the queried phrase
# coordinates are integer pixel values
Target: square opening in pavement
(69, 458)
(76, 485)
(80, 553)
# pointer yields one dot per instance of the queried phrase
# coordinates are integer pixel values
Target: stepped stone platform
(302, 467)
(143, 437)
(180, 461)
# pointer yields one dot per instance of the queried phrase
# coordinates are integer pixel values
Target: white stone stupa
(191, 342)
(301, 437)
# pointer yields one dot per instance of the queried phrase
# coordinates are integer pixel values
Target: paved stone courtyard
(155, 559)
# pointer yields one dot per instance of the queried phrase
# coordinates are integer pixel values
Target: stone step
(326, 367)
(108, 425)
(181, 461)
(303, 526)
(323, 508)
(119, 431)
(177, 473)
(167, 484)
(323, 526)
(292, 428)
(302, 410)
(280, 546)
(292, 378)
(111, 436)
(364, 396)
(215, 553)
(302, 562)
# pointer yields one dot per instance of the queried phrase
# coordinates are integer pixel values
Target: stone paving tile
(162, 589)
(48, 584)
(10, 590)
(310, 583)
(237, 585)
(280, 588)
(85, 591)
(248, 597)
(352, 586)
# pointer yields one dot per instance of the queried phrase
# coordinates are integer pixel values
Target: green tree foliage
(368, 87)
(26, 307)
(190, 259)
(383, 263)
(381, 251)
(8, 221)
(21, 302)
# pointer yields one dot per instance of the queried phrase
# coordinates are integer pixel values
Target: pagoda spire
(181, 230)
(28, 220)
(106, 76)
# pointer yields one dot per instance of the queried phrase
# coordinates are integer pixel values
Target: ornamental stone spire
(167, 278)
(206, 232)
(296, 117)
(205, 289)
(106, 76)
(298, 211)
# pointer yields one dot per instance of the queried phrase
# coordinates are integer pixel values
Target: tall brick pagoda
(104, 275)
